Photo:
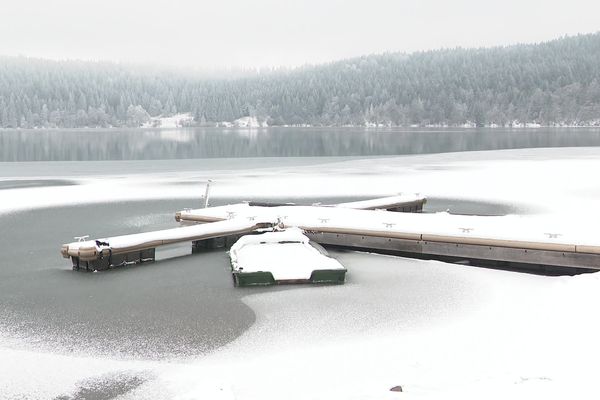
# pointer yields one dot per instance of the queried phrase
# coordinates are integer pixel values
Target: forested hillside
(557, 82)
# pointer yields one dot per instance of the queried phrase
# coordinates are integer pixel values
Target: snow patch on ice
(545, 181)
(514, 338)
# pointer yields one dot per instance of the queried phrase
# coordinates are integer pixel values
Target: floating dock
(105, 253)
(279, 257)
(409, 203)
(514, 242)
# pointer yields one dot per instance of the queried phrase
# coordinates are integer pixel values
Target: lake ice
(439, 330)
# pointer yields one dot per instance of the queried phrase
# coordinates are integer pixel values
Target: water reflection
(123, 144)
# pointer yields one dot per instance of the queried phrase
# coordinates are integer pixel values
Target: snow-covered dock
(402, 203)
(506, 241)
(105, 253)
(111, 252)
(285, 256)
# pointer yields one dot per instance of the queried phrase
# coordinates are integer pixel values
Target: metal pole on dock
(207, 193)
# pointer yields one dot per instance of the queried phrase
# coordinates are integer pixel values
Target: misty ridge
(555, 83)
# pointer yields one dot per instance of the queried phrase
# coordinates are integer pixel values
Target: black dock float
(114, 260)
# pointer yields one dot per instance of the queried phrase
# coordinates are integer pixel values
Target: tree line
(551, 83)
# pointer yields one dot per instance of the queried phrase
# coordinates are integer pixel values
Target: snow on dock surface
(509, 230)
(468, 230)
(225, 221)
(247, 210)
(287, 255)
(89, 249)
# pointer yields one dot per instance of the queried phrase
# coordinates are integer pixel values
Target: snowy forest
(552, 83)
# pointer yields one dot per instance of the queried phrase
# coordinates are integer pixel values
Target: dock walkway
(502, 239)
(369, 225)
(110, 252)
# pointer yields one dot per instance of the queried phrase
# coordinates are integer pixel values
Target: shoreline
(251, 128)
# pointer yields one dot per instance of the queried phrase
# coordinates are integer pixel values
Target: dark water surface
(160, 144)
(105, 387)
(175, 307)
(30, 183)
(185, 307)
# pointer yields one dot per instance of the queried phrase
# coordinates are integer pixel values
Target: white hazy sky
(251, 33)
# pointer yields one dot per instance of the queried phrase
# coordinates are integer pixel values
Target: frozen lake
(151, 331)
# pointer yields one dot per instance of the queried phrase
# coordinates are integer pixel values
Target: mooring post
(207, 193)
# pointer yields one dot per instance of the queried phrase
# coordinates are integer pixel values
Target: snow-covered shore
(182, 120)
(171, 121)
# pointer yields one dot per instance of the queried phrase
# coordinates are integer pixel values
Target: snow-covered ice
(542, 181)
(438, 330)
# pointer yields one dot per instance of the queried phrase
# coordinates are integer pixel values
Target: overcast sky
(250, 33)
